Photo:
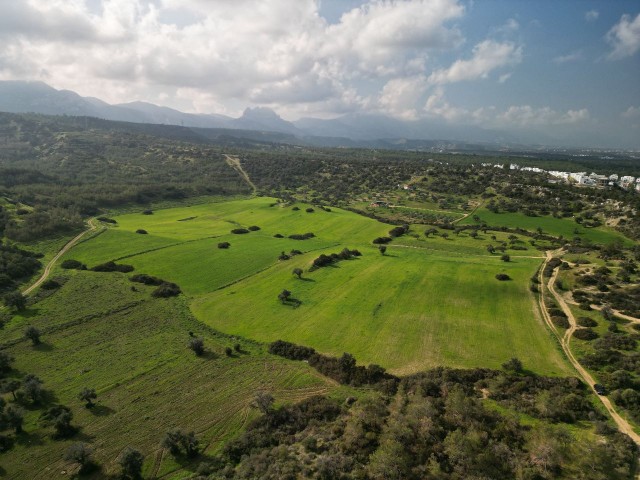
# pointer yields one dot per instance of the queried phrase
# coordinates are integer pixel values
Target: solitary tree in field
(32, 388)
(33, 334)
(172, 440)
(505, 258)
(263, 401)
(88, 395)
(131, 462)
(284, 296)
(491, 248)
(15, 300)
(445, 235)
(383, 249)
(190, 444)
(80, 454)
(197, 345)
(297, 272)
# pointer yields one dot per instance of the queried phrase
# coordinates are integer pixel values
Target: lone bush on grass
(131, 462)
(33, 334)
(197, 345)
(87, 395)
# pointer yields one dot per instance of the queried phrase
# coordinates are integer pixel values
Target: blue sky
(569, 68)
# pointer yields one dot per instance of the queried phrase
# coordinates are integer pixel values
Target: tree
(190, 444)
(80, 453)
(33, 334)
(87, 395)
(14, 416)
(607, 313)
(10, 385)
(430, 231)
(197, 345)
(284, 296)
(297, 272)
(131, 462)
(445, 235)
(263, 401)
(505, 258)
(228, 351)
(172, 441)
(15, 300)
(5, 362)
(513, 365)
(32, 388)
(383, 249)
(491, 248)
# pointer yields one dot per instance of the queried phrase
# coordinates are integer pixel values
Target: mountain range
(351, 130)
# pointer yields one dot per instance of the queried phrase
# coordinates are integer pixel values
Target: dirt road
(52, 262)
(565, 341)
(234, 162)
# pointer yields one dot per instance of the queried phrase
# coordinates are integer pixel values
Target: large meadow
(425, 302)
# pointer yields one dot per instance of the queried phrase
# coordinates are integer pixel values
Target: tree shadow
(306, 279)
(28, 312)
(292, 302)
(101, 410)
(209, 355)
(43, 347)
(29, 439)
(390, 255)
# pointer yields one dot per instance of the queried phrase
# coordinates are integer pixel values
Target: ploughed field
(426, 302)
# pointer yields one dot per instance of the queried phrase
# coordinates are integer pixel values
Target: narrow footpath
(565, 340)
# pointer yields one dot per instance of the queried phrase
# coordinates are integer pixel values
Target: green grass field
(555, 226)
(427, 302)
(132, 349)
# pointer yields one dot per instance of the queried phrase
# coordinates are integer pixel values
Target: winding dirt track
(565, 340)
(52, 262)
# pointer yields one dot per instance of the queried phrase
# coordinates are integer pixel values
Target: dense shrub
(278, 235)
(586, 322)
(73, 265)
(239, 231)
(309, 210)
(585, 334)
(142, 231)
(382, 240)
(560, 322)
(290, 350)
(107, 220)
(224, 245)
(398, 231)
(301, 236)
(502, 277)
(112, 267)
(51, 285)
(166, 289)
(254, 228)
(146, 279)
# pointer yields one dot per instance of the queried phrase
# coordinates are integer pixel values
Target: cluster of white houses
(581, 178)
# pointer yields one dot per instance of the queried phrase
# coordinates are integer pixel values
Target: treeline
(15, 265)
(436, 426)
(343, 370)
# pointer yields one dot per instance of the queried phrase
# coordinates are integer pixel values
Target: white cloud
(503, 78)
(487, 56)
(631, 112)
(624, 37)
(591, 15)
(276, 52)
(571, 57)
(400, 96)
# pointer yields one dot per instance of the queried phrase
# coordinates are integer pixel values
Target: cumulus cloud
(591, 15)
(263, 51)
(487, 56)
(624, 37)
(526, 116)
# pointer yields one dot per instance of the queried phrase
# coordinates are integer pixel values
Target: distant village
(580, 178)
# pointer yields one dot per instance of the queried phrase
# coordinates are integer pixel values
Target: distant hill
(351, 130)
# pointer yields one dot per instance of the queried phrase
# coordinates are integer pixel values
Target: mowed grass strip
(407, 311)
(566, 227)
(146, 378)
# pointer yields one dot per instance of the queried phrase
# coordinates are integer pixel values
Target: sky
(550, 66)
